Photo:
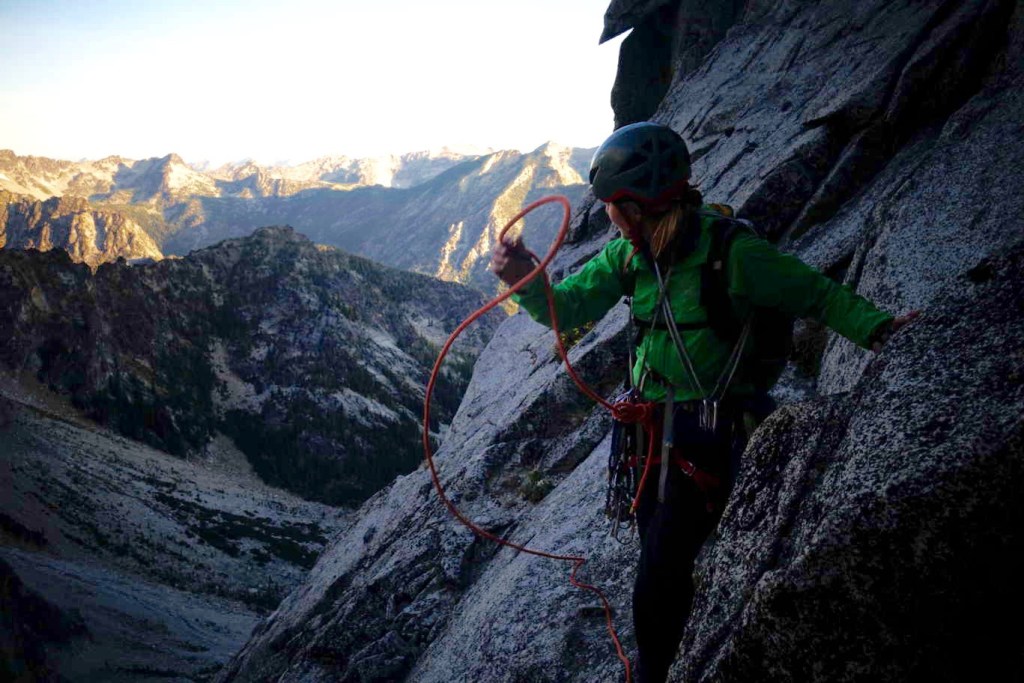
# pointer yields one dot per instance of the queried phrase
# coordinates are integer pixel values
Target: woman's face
(625, 216)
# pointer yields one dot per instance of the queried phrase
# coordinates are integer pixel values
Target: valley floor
(161, 566)
(137, 629)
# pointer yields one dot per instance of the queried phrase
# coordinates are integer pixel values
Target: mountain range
(42, 178)
(179, 438)
(433, 213)
(182, 390)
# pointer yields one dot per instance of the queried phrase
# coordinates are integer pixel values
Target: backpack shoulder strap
(723, 231)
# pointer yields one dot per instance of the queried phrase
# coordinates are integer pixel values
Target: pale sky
(292, 81)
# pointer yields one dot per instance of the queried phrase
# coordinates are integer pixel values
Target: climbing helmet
(644, 162)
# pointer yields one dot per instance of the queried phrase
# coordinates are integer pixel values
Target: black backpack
(771, 333)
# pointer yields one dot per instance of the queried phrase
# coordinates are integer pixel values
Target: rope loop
(539, 270)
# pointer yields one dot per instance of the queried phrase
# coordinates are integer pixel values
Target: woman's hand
(510, 261)
(883, 335)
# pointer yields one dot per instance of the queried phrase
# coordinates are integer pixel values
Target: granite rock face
(394, 582)
(874, 530)
(878, 531)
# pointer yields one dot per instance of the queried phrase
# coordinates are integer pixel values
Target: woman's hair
(667, 224)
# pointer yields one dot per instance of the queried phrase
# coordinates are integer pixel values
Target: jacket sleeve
(582, 297)
(764, 276)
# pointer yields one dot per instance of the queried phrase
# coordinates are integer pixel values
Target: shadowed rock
(879, 531)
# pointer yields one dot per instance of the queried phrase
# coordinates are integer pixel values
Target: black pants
(671, 536)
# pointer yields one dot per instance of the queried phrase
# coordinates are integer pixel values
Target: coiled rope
(623, 411)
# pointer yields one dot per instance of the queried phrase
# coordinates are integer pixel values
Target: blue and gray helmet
(644, 162)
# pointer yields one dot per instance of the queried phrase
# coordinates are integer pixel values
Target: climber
(701, 375)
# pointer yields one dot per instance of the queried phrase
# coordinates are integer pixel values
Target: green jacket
(758, 275)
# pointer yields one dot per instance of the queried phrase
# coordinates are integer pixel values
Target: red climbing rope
(627, 412)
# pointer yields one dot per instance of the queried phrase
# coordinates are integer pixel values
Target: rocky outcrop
(669, 39)
(311, 359)
(89, 235)
(874, 529)
(798, 108)
(407, 578)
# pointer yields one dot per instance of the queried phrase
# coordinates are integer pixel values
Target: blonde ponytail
(668, 225)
